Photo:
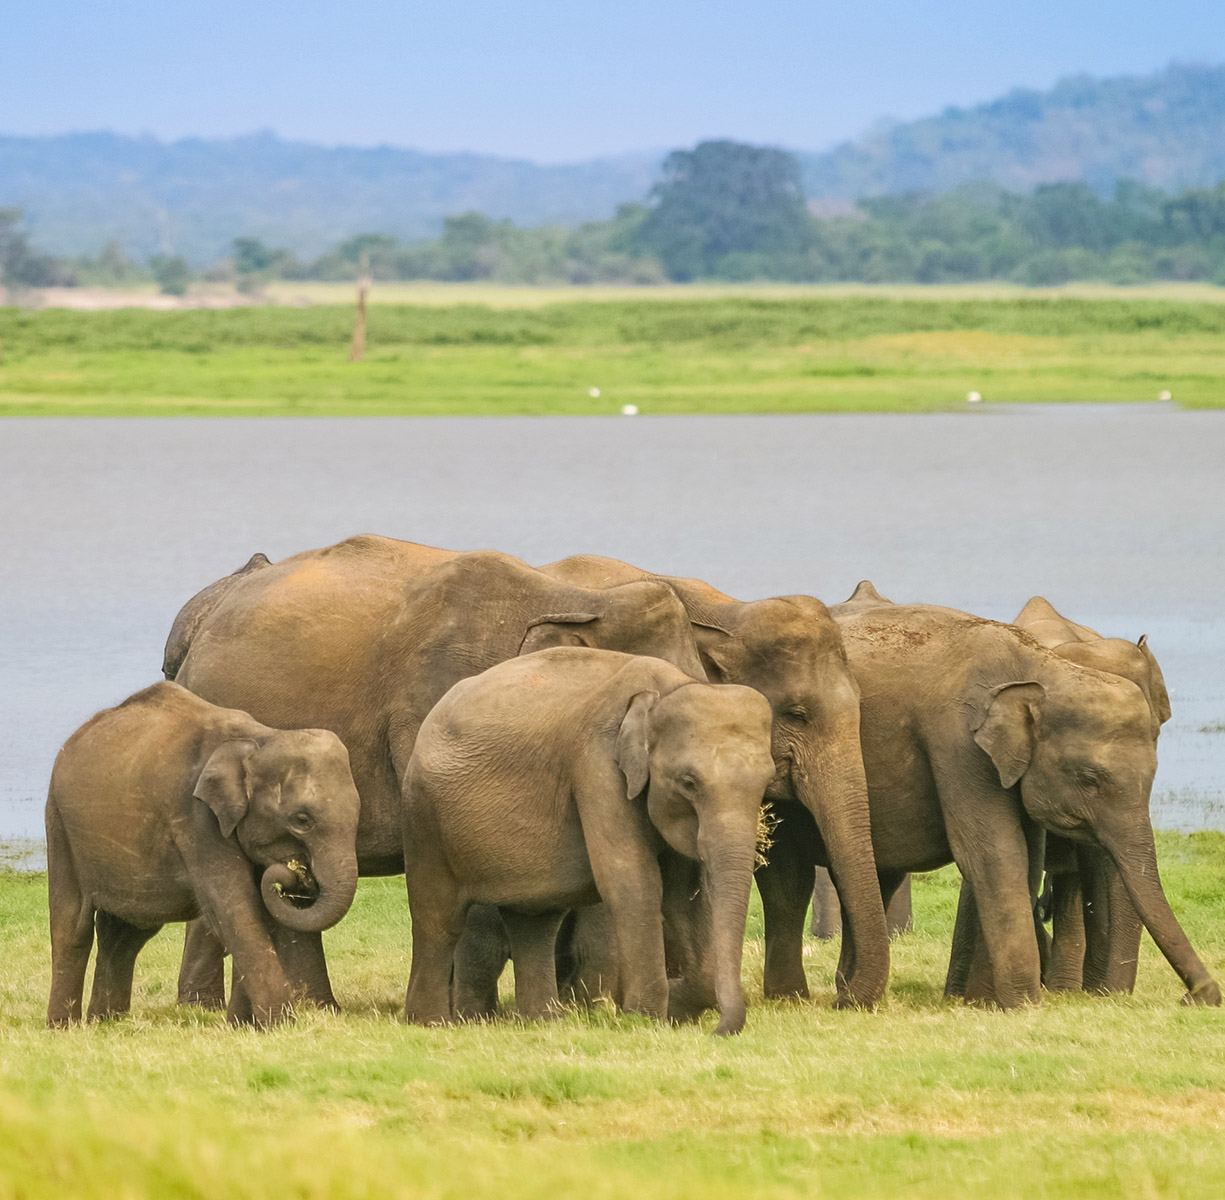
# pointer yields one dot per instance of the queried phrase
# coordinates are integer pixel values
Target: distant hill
(192, 197)
(1166, 130)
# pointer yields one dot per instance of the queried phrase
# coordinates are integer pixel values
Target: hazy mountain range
(193, 196)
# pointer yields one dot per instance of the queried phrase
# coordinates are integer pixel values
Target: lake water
(1115, 513)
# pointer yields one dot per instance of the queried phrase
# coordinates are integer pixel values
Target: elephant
(554, 781)
(167, 808)
(790, 650)
(363, 638)
(1095, 941)
(977, 740)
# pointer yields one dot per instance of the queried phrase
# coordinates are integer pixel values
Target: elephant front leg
(786, 885)
(202, 970)
(687, 938)
(1066, 961)
(990, 846)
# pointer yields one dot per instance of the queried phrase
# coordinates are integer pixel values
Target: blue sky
(558, 81)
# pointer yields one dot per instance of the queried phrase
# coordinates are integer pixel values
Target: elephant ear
(225, 783)
(1160, 697)
(545, 632)
(716, 649)
(1006, 728)
(633, 742)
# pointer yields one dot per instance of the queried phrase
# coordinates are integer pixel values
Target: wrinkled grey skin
(167, 808)
(1096, 930)
(363, 638)
(557, 779)
(976, 740)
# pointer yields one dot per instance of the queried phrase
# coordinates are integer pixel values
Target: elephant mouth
(300, 889)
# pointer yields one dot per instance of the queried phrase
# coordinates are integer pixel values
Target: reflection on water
(1116, 514)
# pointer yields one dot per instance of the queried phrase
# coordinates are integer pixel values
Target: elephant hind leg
(72, 927)
(119, 942)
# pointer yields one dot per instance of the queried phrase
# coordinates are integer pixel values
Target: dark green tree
(726, 198)
(171, 272)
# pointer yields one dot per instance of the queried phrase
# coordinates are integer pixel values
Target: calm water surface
(1116, 514)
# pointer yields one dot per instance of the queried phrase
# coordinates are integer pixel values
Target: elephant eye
(1091, 778)
(302, 821)
(796, 712)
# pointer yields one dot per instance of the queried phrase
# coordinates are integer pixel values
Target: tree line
(734, 212)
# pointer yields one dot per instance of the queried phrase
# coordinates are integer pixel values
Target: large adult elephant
(363, 638)
(975, 741)
(1096, 930)
(789, 649)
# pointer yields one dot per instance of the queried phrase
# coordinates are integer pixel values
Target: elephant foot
(1207, 993)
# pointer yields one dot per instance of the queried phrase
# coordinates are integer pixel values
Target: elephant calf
(556, 780)
(167, 808)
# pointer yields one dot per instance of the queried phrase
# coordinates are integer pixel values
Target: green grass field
(1079, 1097)
(680, 351)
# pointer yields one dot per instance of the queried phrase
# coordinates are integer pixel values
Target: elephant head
(642, 617)
(290, 801)
(703, 755)
(1115, 656)
(790, 650)
(1080, 747)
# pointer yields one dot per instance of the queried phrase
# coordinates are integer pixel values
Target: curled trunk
(336, 883)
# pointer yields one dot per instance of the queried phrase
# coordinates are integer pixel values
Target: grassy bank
(737, 353)
(1079, 1097)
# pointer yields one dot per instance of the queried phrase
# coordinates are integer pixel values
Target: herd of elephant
(569, 764)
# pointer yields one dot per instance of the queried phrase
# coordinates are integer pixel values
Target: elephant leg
(1112, 926)
(480, 958)
(1066, 963)
(305, 966)
(899, 916)
(438, 915)
(202, 970)
(890, 882)
(965, 942)
(72, 928)
(118, 945)
(587, 957)
(533, 951)
(826, 909)
(786, 885)
(687, 939)
(991, 846)
(627, 875)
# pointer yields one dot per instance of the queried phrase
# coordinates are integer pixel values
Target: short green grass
(1077, 1097)
(692, 353)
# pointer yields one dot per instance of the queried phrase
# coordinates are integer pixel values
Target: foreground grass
(713, 354)
(1078, 1097)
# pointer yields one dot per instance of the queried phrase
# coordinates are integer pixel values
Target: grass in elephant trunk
(1076, 1097)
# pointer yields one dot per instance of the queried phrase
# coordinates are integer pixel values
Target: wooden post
(357, 348)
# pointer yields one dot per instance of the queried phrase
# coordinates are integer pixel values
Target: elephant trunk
(336, 880)
(727, 856)
(1136, 856)
(835, 791)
